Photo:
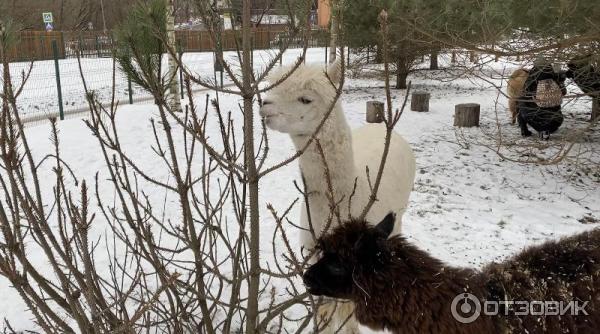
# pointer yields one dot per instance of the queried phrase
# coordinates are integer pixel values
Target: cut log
(466, 115)
(419, 101)
(595, 109)
(473, 57)
(374, 112)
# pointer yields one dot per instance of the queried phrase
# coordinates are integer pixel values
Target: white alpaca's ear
(276, 74)
(334, 71)
(386, 226)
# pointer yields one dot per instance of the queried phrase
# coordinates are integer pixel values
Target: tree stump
(419, 101)
(374, 112)
(473, 57)
(595, 108)
(466, 115)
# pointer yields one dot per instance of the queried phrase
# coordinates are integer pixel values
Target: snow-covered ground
(468, 206)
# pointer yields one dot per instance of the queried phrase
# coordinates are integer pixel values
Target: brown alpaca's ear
(386, 226)
(334, 71)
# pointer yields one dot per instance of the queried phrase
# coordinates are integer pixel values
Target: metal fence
(55, 86)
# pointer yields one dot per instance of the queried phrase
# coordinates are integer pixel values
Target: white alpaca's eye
(304, 100)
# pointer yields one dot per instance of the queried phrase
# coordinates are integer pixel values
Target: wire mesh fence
(55, 84)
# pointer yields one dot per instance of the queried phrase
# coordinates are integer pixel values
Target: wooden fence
(37, 45)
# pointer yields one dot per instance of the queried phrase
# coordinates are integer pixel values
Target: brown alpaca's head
(353, 249)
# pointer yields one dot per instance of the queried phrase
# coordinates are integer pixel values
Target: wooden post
(61, 110)
(374, 112)
(419, 101)
(453, 60)
(466, 115)
(595, 108)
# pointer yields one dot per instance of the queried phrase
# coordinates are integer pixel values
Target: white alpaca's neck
(336, 140)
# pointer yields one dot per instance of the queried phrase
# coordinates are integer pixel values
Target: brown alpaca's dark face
(350, 251)
(330, 277)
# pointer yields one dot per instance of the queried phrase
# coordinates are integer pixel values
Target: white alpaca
(296, 107)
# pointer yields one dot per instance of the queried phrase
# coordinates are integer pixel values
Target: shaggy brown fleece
(514, 90)
(398, 287)
(564, 270)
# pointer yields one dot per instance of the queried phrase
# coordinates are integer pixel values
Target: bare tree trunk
(59, 25)
(433, 60)
(333, 41)
(401, 80)
(6, 85)
(104, 15)
(254, 280)
(595, 108)
(174, 98)
(379, 54)
(401, 73)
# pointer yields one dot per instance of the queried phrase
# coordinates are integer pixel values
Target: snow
(468, 207)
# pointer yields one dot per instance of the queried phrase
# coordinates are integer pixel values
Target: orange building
(323, 13)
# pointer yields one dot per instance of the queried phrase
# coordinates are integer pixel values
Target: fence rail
(37, 45)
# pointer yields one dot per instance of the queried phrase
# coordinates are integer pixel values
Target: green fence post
(43, 54)
(80, 46)
(63, 47)
(129, 90)
(280, 51)
(97, 47)
(58, 85)
(180, 52)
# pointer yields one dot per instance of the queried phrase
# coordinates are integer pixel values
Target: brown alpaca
(398, 287)
(514, 90)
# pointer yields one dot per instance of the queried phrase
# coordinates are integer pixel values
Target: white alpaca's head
(299, 103)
